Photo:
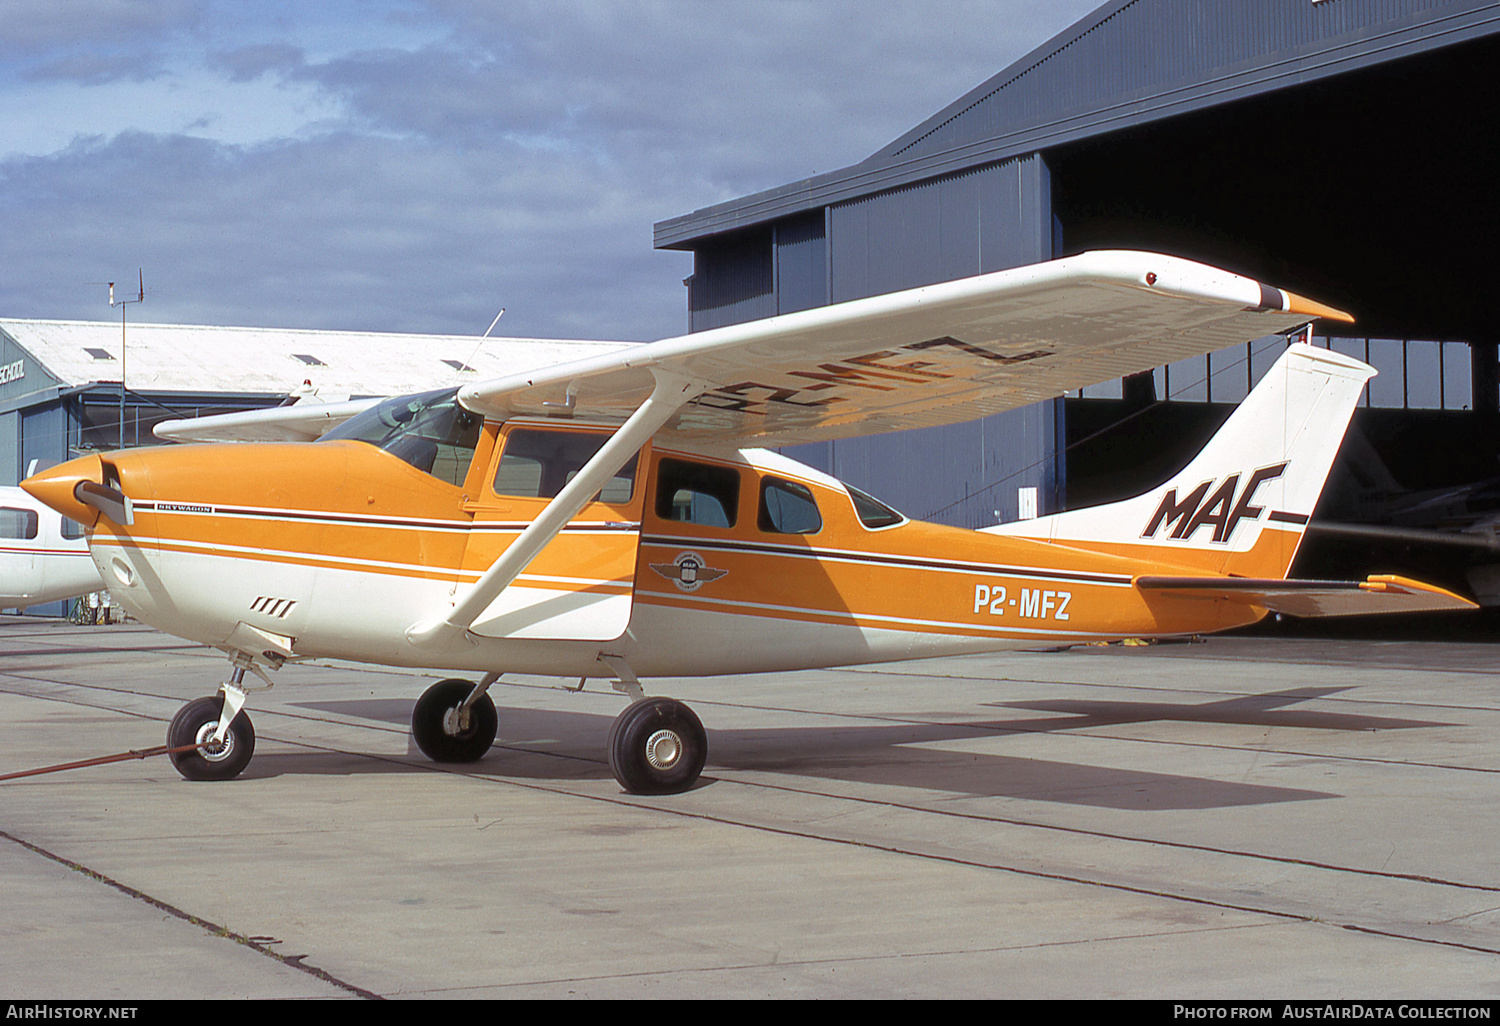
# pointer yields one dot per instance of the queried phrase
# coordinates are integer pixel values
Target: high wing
(303, 422)
(1384, 593)
(929, 356)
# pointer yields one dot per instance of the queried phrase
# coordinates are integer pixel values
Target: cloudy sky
(416, 165)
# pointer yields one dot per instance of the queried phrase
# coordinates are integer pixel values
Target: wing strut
(672, 392)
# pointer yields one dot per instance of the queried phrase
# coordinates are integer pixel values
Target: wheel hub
(663, 749)
(214, 752)
(456, 722)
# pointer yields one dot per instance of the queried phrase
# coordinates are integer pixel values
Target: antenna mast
(122, 304)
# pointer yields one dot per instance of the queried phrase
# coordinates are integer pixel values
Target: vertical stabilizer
(1242, 504)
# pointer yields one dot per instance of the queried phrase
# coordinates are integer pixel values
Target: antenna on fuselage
(470, 361)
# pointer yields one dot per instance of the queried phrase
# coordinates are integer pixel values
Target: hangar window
(309, 359)
(17, 523)
(98, 354)
(1412, 374)
(697, 493)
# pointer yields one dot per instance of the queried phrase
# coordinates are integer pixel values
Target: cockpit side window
(537, 464)
(697, 493)
(431, 431)
(787, 507)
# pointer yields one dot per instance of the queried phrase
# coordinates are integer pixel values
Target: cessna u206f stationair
(619, 516)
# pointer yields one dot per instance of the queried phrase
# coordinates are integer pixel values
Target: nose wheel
(198, 722)
(657, 746)
(446, 731)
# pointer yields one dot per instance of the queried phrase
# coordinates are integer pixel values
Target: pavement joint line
(1117, 686)
(641, 803)
(778, 963)
(1104, 835)
(521, 749)
(982, 729)
(1068, 878)
(213, 929)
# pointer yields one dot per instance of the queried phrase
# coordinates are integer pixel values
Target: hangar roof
(195, 358)
(1127, 63)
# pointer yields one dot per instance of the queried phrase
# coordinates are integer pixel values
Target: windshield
(430, 431)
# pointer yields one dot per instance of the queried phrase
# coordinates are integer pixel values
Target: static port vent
(275, 608)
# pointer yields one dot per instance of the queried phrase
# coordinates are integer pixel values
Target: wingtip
(1312, 308)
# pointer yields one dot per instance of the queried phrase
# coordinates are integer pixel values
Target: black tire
(195, 722)
(430, 729)
(657, 746)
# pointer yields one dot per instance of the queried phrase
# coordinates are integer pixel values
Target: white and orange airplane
(621, 517)
(43, 555)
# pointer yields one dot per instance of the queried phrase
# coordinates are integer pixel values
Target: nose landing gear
(218, 727)
(198, 722)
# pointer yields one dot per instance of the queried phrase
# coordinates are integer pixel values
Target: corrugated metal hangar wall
(1341, 148)
(979, 220)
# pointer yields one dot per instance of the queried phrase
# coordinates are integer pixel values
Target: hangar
(1344, 149)
(68, 388)
(72, 387)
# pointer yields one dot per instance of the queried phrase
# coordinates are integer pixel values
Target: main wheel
(195, 723)
(657, 746)
(434, 723)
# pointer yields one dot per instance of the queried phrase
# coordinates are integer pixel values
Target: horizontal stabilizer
(304, 422)
(1384, 593)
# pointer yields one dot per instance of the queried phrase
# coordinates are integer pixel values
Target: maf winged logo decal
(688, 571)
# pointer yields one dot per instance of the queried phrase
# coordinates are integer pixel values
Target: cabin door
(580, 587)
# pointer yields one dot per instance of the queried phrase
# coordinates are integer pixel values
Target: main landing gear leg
(455, 721)
(220, 727)
(657, 745)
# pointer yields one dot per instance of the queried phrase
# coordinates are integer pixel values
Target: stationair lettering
(1221, 510)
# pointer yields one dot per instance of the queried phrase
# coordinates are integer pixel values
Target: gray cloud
(247, 63)
(518, 158)
(43, 29)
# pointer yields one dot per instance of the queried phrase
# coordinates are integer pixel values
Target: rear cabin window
(787, 507)
(873, 513)
(697, 493)
(72, 529)
(18, 524)
(537, 464)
